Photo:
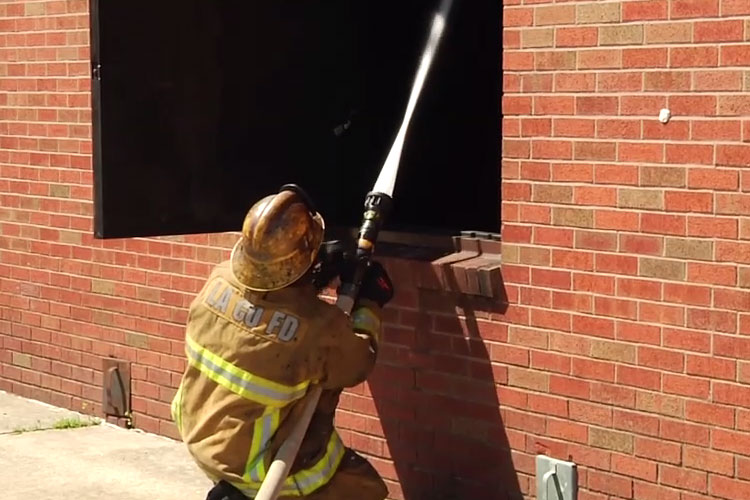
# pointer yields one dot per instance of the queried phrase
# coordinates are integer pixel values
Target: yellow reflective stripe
(176, 408)
(241, 382)
(305, 481)
(316, 476)
(263, 430)
(367, 320)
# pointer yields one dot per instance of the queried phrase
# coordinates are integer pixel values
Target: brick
(518, 61)
(729, 130)
(595, 13)
(554, 15)
(572, 217)
(620, 82)
(733, 347)
(642, 289)
(645, 10)
(536, 127)
(663, 269)
(613, 351)
(641, 244)
(685, 433)
(575, 82)
(729, 488)
(734, 55)
(712, 178)
(595, 151)
(616, 219)
(707, 319)
(731, 394)
(660, 451)
(611, 440)
(613, 395)
(663, 224)
(663, 176)
(513, 16)
(544, 37)
(717, 80)
(573, 127)
(687, 340)
(732, 299)
(569, 431)
(694, 8)
(733, 252)
(576, 37)
(662, 404)
(636, 332)
(548, 361)
(618, 129)
(554, 60)
(686, 386)
(593, 370)
(591, 195)
(629, 34)
(660, 358)
(597, 327)
(578, 302)
(733, 204)
(716, 274)
(667, 81)
(635, 422)
(689, 249)
(685, 201)
(520, 377)
(594, 283)
(718, 31)
(645, 58)
(618, 264)
(547, 405)
(555, 105)
(724, 440)
(707, 460)
(596, 105)
(680, 32)
(600, 59)
(693, 57)
(547, 193)
(683, 478)
(553, 236)
(709, 413)
(734, 7)
(640, 198)
(700, 106)
(638, 377)
(634, 467)
(616, 174)
(649, 491)
(590, 413)
(565, 386)
(640, 152)
(610, 483)
(736, 156)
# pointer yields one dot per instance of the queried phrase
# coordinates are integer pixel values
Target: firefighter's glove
(376, 285)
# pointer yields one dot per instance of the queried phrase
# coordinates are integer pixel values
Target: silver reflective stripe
(332, 459)
(244, 384)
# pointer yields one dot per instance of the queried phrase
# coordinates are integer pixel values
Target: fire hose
(376, 207)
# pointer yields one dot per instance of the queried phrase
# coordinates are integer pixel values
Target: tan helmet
(281, 236)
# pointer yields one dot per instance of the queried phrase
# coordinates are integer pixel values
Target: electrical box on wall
(202, 107)
(556, 479)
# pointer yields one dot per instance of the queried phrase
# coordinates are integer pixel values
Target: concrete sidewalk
(95, 462)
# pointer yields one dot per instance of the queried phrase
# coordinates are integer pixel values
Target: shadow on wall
(435, 391)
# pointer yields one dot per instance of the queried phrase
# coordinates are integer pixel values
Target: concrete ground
(95, 462)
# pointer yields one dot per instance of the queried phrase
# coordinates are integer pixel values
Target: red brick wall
(626, 242)
(627, 265)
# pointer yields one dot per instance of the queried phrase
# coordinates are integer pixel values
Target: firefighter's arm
(352, 357)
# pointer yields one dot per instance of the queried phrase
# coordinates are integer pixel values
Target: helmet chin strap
(302, 194)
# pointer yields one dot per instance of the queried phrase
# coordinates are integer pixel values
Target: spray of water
(387, 178)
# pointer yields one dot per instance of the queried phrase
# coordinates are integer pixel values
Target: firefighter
(257, 338)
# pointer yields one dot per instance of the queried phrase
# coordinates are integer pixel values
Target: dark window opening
(203, 106)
